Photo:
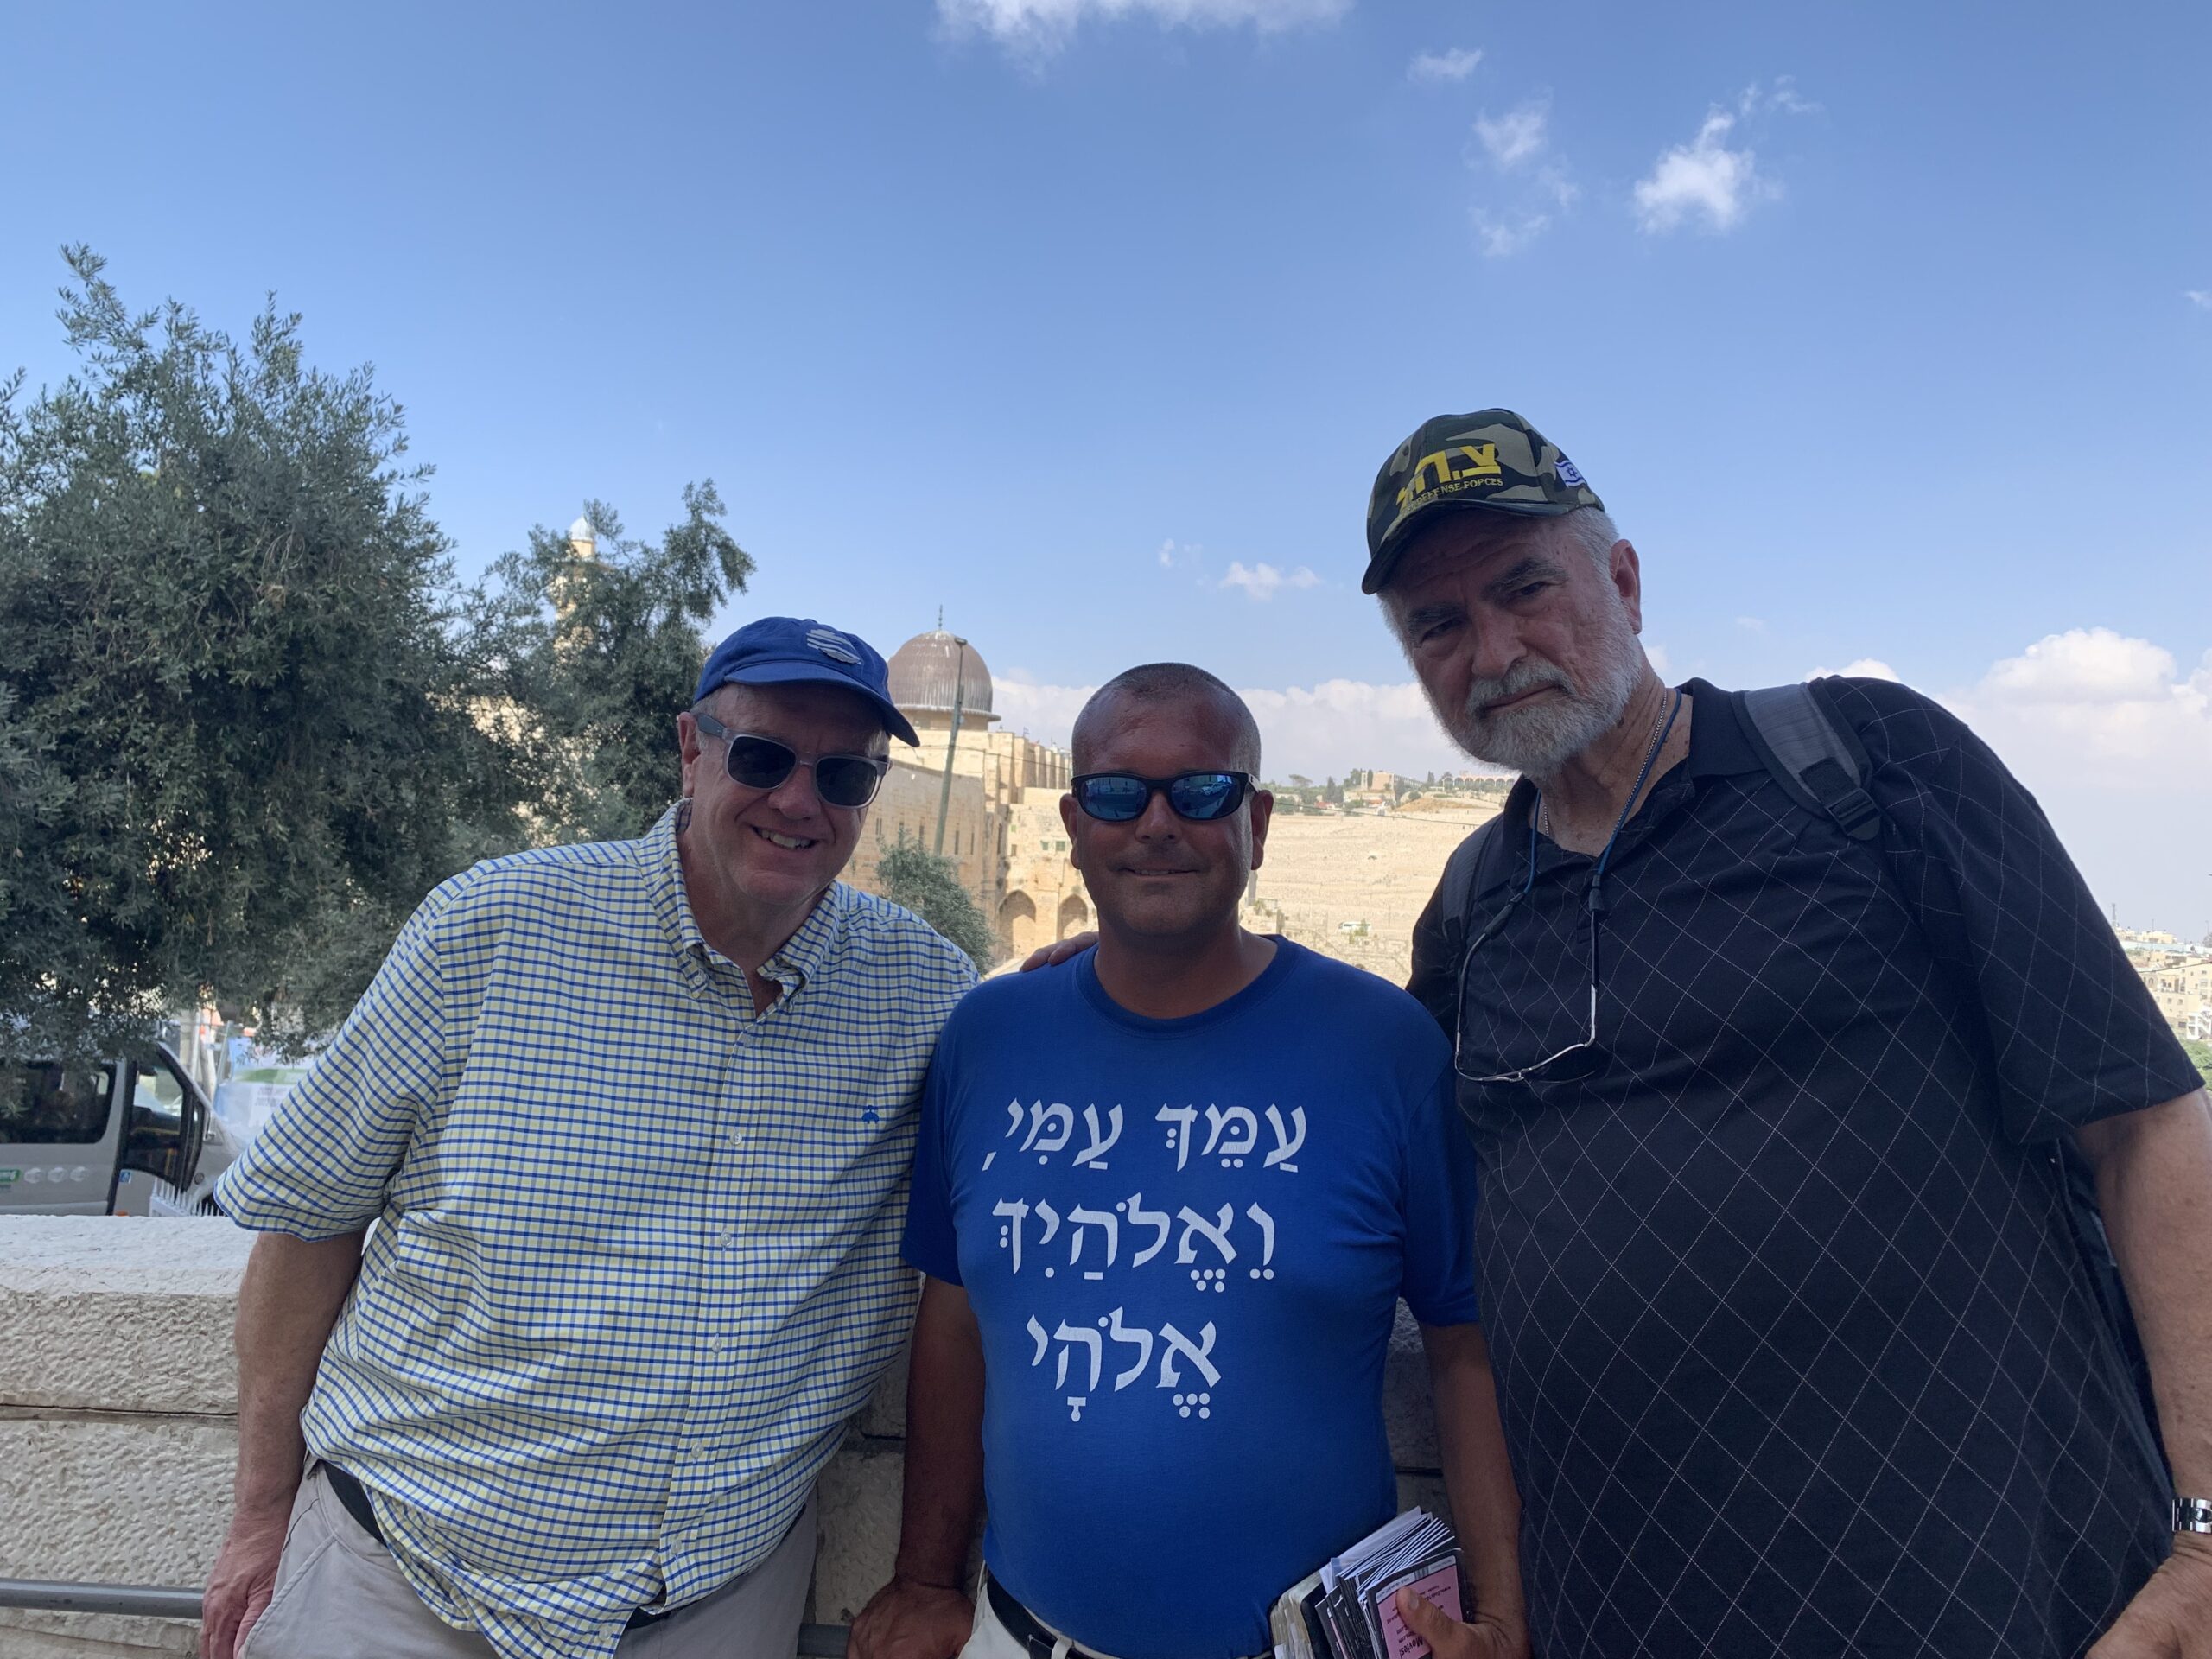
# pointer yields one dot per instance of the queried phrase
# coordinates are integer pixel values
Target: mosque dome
(923, 671)
(581, 531)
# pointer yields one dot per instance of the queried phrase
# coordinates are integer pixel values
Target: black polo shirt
(1796, 1350)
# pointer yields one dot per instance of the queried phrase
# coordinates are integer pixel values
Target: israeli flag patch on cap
(1570, 474)
(835, 646)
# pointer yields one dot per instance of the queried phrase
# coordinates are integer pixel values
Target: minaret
(583, 548)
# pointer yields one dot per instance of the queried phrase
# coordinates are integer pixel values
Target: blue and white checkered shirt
(639, 1257)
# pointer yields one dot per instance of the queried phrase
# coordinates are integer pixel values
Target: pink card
(1439, 1589)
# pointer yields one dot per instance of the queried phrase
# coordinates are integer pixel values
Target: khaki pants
(339, 1594)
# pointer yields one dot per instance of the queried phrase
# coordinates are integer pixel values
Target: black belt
(357, 1504)
(1021, 1625)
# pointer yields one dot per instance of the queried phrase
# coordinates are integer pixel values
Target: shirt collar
(1718, 748)
(800, 958)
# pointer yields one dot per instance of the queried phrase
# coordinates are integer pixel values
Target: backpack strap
(1456, 889)
(1818, 760)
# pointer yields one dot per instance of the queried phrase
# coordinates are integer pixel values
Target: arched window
(1018, 923)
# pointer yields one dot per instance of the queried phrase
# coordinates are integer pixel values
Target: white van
(112, 1138)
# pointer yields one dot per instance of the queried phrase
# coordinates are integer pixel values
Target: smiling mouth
(1132, 869)
(788, 843)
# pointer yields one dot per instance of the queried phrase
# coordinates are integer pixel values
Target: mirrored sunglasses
(1201, 796)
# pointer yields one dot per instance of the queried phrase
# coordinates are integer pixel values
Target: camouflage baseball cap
(1491, 459)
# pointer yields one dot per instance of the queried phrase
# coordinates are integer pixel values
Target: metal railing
(160, 1601)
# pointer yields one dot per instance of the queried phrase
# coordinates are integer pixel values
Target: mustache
(1524, 676)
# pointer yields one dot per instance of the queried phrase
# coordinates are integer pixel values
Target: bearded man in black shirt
(1806, 1342)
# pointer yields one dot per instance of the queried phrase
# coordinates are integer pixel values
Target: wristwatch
(2193, 1515)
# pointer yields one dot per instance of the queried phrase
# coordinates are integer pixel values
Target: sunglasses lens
(1116, 800)
(759, 762)
(1204, 795)
(846, 780)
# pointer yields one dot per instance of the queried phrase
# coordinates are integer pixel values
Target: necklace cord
(1595, 899)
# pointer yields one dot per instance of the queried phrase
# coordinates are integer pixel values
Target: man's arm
(2154, 1186)
(1485, 1507)
(287, 1305)
(924, 1613)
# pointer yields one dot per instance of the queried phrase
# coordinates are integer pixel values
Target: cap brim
(1386, 557)
(807, 674)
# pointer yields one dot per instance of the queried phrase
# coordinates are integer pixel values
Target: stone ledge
(119, 1315)
(117, 1436)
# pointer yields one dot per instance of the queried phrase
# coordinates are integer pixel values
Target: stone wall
(118, 1424)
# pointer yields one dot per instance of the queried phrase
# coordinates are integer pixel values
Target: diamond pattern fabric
(1795, 1347)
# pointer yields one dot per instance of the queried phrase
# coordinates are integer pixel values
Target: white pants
(991, 1640)
(339, 1593)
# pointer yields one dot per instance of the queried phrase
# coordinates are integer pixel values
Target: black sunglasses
(763, 763)
(1201, 796)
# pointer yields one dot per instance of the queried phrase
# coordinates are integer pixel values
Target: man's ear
(1069, 812)
(1264, 814)
(688, 746)
(1628, 583)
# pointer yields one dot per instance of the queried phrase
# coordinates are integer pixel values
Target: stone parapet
(118, 1403)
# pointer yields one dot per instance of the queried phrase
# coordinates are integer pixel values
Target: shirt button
(736, 1139)
(726, 1235)
(714, 1344)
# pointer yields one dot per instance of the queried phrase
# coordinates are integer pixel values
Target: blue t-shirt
(1184, 1241)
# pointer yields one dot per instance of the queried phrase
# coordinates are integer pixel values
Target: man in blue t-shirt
(1167, 1196)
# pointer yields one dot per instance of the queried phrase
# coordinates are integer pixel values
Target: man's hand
(1052, 956)
(2172, 1616)
(241, 1582)
(1486, 1638)
(907, 1620)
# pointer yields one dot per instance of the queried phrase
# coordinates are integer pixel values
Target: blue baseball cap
(798, 650)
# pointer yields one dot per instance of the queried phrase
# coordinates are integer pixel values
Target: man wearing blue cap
(634, 1119)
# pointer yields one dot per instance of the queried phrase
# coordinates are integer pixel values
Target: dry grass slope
(1352, 887)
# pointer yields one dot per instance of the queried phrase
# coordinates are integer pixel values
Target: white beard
(1540, 740)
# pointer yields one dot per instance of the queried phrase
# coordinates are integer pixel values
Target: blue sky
(1885, 331)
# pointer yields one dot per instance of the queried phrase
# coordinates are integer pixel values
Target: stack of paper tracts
(1348, 1609)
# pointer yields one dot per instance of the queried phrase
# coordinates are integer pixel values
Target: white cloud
(1703, 178)
(2097, 670)
(1262, 580)
(1434, 67)
(1782, 95)
(1501, 239)
(2199, 297)
(1326, 730)
(1863, 668)
(1042, 27)
(1751, 623)
(1513, 143)
(1517, 136)
(1045, 712)
(2116, 740)
(1554, 179)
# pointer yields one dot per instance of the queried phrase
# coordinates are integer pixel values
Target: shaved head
(1172, 683)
